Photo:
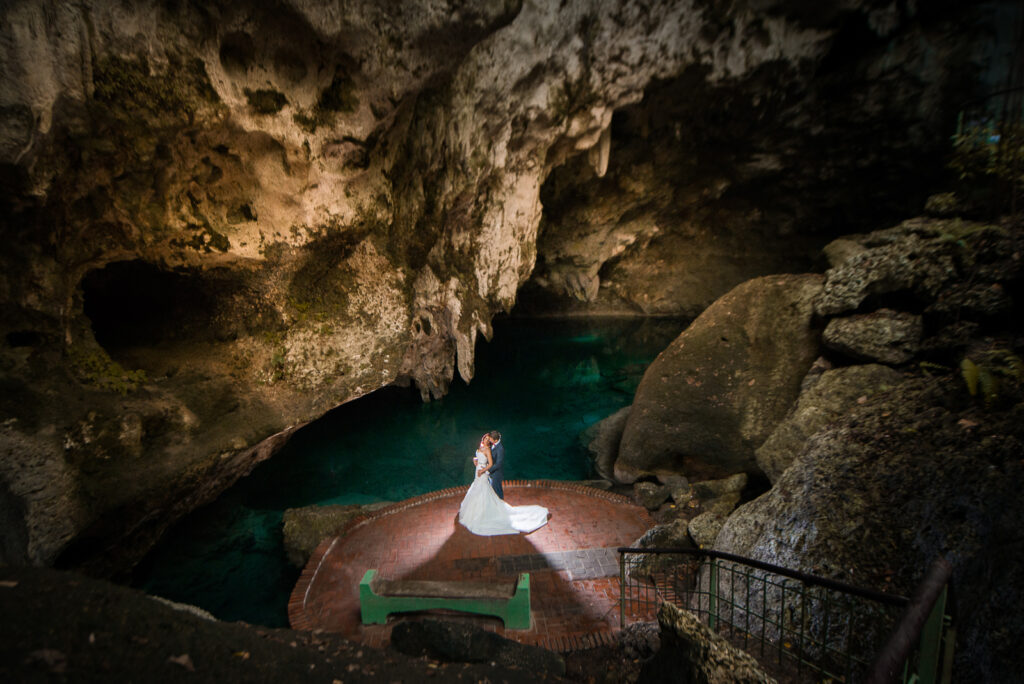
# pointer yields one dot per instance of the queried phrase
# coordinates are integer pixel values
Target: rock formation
(832, 394)
(713, 397)
(692, 652)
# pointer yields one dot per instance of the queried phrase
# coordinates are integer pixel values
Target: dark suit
(497, 471)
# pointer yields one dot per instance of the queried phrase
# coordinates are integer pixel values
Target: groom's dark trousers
(498, 469)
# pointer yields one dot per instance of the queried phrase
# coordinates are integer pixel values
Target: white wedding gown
(483, 513)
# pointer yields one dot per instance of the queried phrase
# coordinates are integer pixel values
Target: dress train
(483, 513)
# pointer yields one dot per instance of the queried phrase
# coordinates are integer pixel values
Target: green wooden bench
(507, 599)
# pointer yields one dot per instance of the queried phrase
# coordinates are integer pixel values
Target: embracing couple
(483, 510)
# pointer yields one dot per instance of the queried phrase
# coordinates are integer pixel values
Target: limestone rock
(722, 505)
(679, 488)
(639, 640)
(668, 536)
(602, 442)
(650, 495)
(304, 528)
(710, 489)
(834, 394)
(884, 336)
(661, 232)
(716, 393)
(907, 257)
(977, 300)
(704, 528)
(463, 643)
(912, 473)
(692, 652)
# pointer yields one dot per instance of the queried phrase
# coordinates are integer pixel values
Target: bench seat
(509, 600)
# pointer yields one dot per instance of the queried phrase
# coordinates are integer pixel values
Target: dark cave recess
(136, 304)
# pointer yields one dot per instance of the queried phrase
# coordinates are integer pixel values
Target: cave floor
(573, 565)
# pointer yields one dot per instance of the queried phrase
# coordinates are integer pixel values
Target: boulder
(704, 529)
(712, 489)
(462, 643)
(692, 652)
(913, 473)
(650, 495)
(679, 489)
(716, 393)
(602, 442)
(672, 535)
(908, 257)
(722, 505)
(882, 336)
(977, 300)
(304, 528)
(833, 394)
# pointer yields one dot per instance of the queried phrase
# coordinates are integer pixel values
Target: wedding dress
(483, 513)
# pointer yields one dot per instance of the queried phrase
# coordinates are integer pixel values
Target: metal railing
(799, 626)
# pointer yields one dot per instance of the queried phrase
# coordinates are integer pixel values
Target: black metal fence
(801, 627)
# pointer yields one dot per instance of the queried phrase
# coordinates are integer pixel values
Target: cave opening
(136, 304)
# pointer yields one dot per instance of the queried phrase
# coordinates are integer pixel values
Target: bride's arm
(486, 451)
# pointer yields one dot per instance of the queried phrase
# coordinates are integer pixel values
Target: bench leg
(517, 610)
(372, 608)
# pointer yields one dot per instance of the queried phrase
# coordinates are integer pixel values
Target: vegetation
(94, 367)
(988, 371)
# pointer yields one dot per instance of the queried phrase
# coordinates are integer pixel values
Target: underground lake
(541, 382)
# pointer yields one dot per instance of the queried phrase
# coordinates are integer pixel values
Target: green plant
(929, 368)
(988, 371)
(277, 361)
(94, 367)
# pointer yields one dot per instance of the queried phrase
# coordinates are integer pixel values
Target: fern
(969, 369)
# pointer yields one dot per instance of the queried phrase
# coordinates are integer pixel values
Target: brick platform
(572, 563)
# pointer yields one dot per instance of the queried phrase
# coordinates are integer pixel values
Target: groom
(497, 470)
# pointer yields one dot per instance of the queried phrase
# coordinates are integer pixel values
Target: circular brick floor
(572, 562)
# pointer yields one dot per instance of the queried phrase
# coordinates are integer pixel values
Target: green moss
(94, 367)
(266, 101)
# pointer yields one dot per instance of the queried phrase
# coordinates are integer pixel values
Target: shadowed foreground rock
(456, 642)
(915, 472)
(58, 626)
(690, 652)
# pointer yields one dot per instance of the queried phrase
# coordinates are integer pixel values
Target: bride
(483, 513)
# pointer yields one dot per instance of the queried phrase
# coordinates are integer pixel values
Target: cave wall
(720, 176)
(220, 221)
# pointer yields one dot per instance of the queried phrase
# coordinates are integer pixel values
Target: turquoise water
(540, 382)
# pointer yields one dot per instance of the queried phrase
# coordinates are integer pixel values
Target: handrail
(899, 645)
(881, 597)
